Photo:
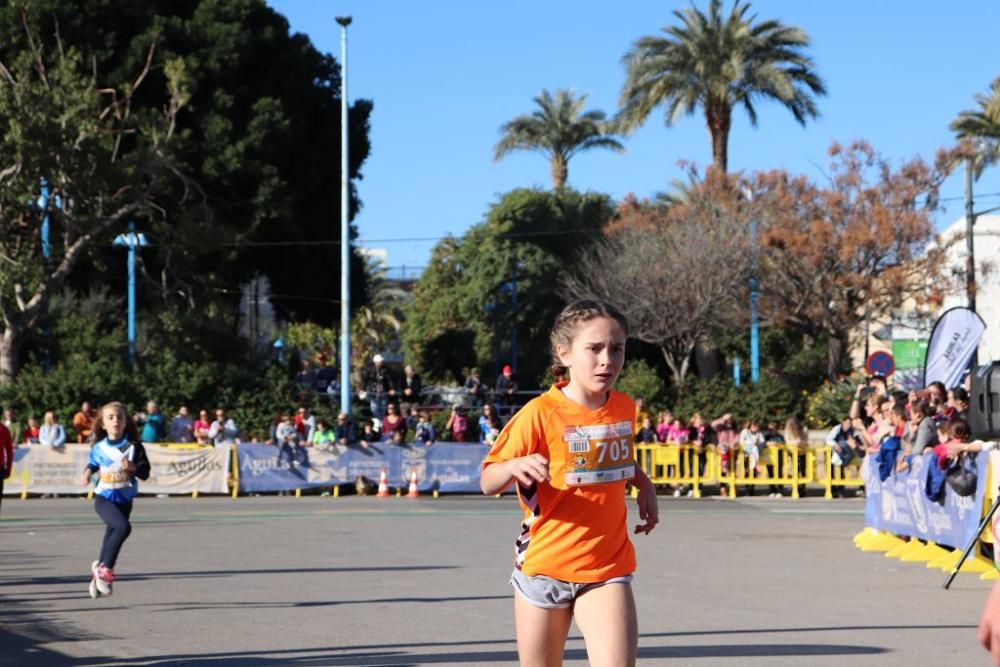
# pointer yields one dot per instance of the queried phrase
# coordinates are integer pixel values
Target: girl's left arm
(649, 511)
(141, 462)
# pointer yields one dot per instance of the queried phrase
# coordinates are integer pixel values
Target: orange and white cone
(414, 492)
(383, 485)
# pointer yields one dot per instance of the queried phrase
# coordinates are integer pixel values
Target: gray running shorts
(548, 593)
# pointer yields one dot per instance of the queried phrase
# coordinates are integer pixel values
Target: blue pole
(513, 322)
(345, 239)
(46, 255)
(44, 231)
(736, 371)
(754, 336)
(132, 242)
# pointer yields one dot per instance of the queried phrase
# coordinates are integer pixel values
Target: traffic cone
(383, 485)
(414, 492)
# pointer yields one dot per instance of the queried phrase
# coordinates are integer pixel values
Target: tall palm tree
(982, 126)
(559, 129)
(717, 64)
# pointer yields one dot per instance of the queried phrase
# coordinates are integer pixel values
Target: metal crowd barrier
(783, 465)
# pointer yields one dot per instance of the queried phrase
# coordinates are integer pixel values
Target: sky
(444, 75)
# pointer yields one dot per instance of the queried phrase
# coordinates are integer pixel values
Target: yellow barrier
(675, 465)
(694, 466)
(839, 476)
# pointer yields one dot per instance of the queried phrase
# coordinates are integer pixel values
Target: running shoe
(104, 577)
(94, 593)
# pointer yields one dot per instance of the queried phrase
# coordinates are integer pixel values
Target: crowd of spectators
(898, 426)
(881, 422)
(152, 425)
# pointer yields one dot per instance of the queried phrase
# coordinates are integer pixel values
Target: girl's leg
(607, 618)
(541, 633)
(116, 517)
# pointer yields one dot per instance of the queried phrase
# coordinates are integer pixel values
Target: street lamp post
(754, 329)
(131, 240)
(970, 259)
(345, 239)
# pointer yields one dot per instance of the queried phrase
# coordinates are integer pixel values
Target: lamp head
(344, 20)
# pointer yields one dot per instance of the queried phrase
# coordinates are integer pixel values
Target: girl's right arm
(527, 470)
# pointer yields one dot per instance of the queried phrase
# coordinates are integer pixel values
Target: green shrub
(771, 399)
(640, 380)
(831, 402)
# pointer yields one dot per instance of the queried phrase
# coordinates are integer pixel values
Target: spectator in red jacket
(6, 456)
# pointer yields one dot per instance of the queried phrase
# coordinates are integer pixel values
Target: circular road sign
(880, 363)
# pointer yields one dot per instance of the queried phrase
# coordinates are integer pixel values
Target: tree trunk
(836, 350)
(718, 120)
(560, 172)
(10, 348)
(678, 369)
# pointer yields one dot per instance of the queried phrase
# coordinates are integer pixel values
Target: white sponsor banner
(955, 337)
(173, 469)
(182, 469)
(42, 469)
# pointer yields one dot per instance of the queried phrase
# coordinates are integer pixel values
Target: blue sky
(445, 75)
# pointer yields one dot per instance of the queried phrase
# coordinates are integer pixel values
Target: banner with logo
(955, 337)
(445, 467)
(182, 469)
(900, 504)
(40, 469)
(173, 470)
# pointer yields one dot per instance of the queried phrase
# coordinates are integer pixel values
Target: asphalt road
(217, 582)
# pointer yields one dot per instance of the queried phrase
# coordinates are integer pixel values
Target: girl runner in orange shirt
(570, 452)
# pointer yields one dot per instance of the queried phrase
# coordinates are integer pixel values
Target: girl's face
(114, 422)
(595, 356)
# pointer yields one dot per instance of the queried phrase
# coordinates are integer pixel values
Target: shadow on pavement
(193, 574)
(332, 656)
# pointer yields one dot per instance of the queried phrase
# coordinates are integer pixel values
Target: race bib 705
(599, 454)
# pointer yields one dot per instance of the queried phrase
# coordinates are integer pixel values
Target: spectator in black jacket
(409, 394)
(379, 387)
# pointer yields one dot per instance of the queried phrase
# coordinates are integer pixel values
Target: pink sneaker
(104, 577)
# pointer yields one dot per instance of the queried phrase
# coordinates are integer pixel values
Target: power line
(411, 239)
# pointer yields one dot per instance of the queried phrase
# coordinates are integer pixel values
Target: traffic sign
(880, 363)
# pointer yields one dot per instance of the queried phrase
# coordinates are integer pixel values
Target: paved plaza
(217, 582)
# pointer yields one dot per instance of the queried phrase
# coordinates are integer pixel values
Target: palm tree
(717, 64)
(983, 127)
(558, 130)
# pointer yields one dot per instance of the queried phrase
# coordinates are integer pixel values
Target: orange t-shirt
(575, 526)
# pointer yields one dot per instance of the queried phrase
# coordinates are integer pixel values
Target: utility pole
(345, 238)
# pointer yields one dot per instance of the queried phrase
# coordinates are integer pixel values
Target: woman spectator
(795, 436)
(726, 435)
(425, 431)
(646, 434)
(699, 436)
(393, 422)
(751, 440)
(52, 433)
(872, 431)
(958, 401)
(678, 432)
(489, 425)
(201, 427)
(666, 418)
(937, 394)
(31, 432)
(457, 424)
